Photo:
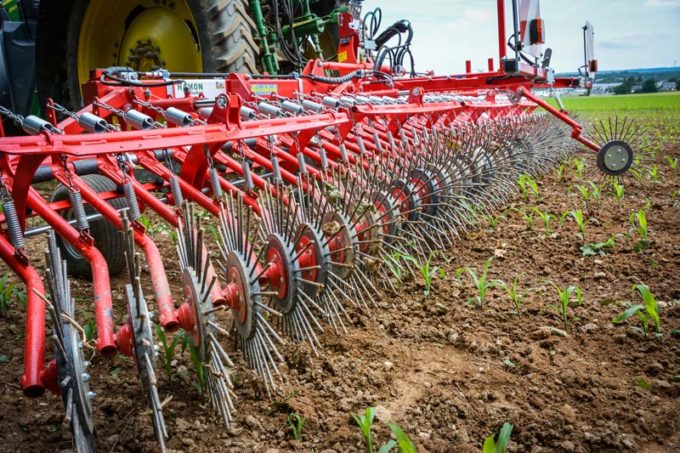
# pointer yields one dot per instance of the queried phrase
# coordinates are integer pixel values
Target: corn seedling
(496, 443)
(638, 220)
(654, 173)
(646, 314)
(598, 248)
(559, 172)
(493, 220)
(9, 291)
(296, 423)
(578, 217)
(672, 162)
(514, 293)
(395, 263)
(580, 167)
(565, 296)
(365, 423)
(403, 444)
(563, 217)
(527, 185)
(546, 218)
(481, 281)
(619, 190)
(167, 351)
(198, 366)
(428, 272)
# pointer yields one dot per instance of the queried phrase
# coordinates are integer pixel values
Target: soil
(448, 372)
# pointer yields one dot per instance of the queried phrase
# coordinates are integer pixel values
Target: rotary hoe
(291, 199)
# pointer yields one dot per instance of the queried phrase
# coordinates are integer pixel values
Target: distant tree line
(637, 85)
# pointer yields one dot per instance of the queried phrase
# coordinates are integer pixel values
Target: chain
(124, 166)
(18, 119)
(150, 106)
(63, 110)
(110, 108)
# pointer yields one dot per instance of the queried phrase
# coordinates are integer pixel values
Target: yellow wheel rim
(142, 34)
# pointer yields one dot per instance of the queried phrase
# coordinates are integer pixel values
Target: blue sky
(628, 33)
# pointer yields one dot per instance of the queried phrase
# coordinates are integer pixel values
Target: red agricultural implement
(291, 197)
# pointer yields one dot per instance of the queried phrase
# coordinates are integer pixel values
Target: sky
(628, 33)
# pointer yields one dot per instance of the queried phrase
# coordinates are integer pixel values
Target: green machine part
(11, 7)
(306, 25)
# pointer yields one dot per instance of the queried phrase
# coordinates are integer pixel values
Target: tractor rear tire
(106, 237)
(225, 31)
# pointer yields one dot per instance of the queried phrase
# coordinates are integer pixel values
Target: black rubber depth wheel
(106, 238)
(223, 30)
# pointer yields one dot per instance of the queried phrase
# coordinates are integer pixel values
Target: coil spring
(79, 210)
(176, 191)
(378, 144)
(302, 163)
(247, 177)
(343, 153)
(324, 158)
(276, 170)
(131, 197)
(16, 236)
(215, 182)
(402, 135)
(360, 142)
(390, 139)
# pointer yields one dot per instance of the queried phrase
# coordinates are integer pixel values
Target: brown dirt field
(447, 372)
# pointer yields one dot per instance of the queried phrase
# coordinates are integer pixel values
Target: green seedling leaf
(387, 448)
(497, 444)
(405, 444)
(643, 383)
(631, 311)
(365, 423)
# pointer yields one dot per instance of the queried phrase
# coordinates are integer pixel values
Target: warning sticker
(264, 88)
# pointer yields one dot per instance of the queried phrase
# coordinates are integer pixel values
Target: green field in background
(667, 102)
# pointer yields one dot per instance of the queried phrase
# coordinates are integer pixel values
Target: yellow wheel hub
(142, 34)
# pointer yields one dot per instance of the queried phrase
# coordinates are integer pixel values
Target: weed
(481, 282)
(296, 423)
(89, 327)
(516, 296)
(496, 443)
(9, 291)
(638, 220)
(365, 423)
(598, 248)
(565, 296)
(546, 218)
(646, 313)
(578, 217)
(167, 352)
(428, 271)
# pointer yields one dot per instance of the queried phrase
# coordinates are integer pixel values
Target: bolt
(91, 395)
(86, 364)
(85, 377)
